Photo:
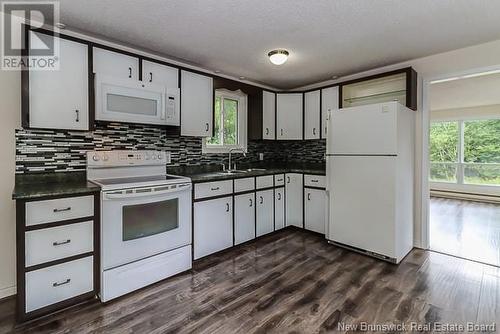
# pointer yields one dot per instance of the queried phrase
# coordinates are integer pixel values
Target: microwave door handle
(112, 196)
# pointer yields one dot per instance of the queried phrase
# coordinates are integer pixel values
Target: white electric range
(145, 219)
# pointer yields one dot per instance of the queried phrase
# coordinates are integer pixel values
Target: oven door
(137, 223)
(129, 101)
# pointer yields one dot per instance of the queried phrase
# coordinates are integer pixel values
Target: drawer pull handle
(214, 189)
(130, 72)
(227, 207)
(251, 202)
(77, 115)
(56, 284)
(207, 127)
(261, 200)
(279, 196)
(279, 180)
(62, 210)
(288, 179)
(314, 181)
(59, 243)
(309, 196)
(314, 131)
(150, 76)
(267, 131)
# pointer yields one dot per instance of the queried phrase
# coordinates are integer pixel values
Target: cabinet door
(294, 199)
(315, 210)
(244, 218)
(265, 214)
(268, 115)
(312, 114)
(59, 99)
(197, 102)
(289, 116)
(329, 102)
(160, 74)
(115, 64)
(279, 208)
(213, 226)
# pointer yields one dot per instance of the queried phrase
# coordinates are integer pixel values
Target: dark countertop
(213, 172)
(33, 186)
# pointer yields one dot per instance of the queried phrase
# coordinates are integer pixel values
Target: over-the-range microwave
(125, 100)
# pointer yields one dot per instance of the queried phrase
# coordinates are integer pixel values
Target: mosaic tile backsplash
(41, 151)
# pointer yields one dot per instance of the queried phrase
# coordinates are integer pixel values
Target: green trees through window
(226, 122)
(465, 152)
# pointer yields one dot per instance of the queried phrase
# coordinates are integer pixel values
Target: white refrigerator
(370, 179)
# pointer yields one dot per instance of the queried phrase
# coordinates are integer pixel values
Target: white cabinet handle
(62, 210)
(214, 189)
(314, 181)
(59, 243)
(56, 284)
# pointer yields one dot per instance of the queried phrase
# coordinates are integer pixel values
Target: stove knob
(159, 156)
(95, 157)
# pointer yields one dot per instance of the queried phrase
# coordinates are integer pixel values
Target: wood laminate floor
(290, 282)
(467, 229)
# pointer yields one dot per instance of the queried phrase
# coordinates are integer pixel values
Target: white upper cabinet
(268, 115)
(160, 74)
(289, 116)
(59, 99)
(312, 113)
(115, 64)
(329, 102)
(197, 102)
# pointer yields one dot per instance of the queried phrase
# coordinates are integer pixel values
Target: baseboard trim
(7, 292)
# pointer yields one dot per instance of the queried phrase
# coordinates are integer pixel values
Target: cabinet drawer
(265, 181)
(211, 189)
(52, 210)
(51, 285)
(58, 242)
(279, 180)
(245, 184)
(314, 181)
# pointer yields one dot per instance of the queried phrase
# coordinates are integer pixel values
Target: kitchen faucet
(232, 150)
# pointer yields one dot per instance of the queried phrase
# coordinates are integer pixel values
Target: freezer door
(362, 202)
(364, 130)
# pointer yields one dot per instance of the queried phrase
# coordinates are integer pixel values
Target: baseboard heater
(465, 196)
(365, 252)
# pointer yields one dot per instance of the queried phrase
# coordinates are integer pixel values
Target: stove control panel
(127, 158)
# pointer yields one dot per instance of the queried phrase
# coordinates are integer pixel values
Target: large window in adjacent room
(230, 123)
(465, 152)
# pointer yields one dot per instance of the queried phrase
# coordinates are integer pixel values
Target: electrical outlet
(261, 156)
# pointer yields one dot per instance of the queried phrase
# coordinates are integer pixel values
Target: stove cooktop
(139, 181)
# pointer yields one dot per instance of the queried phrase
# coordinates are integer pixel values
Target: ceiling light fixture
(278, 57)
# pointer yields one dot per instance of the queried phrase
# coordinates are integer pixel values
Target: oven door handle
(122, 195)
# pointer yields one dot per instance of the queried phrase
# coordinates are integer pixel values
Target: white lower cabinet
(315, 210)
(279, 208)
(53, 284)
(213, 226)
(294, 199)
(244, 218)
(265, 212)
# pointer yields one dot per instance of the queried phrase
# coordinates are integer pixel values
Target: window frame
(460, 163)
(242, 99)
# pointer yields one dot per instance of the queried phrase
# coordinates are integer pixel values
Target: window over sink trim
(241, 126)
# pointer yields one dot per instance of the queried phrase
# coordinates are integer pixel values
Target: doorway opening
(464, 166)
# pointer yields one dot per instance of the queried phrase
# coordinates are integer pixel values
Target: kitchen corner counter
(214, 173)
(34, 186)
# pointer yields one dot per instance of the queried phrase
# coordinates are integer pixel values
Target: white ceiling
(324, 37)
(464, 93)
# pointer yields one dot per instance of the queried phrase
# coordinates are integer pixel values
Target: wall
(10, 100)
(65, 151)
